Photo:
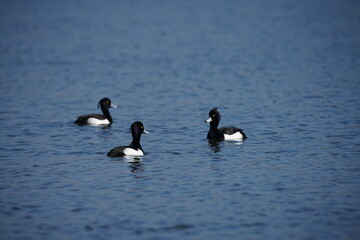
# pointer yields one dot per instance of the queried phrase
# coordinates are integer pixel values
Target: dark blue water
(287, 72)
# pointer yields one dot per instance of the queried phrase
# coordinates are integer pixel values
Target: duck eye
(213, 115)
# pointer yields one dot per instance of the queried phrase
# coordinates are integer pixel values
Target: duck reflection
(215, 146)
(136, 165)
(105, 127)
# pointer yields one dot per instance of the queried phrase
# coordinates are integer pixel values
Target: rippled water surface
(287, 72)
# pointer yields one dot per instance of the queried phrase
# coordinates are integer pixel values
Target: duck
(134, 149)
(224, 133)
(98, 119)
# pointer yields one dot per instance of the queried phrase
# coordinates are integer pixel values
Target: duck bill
(146, 132)
(209, 120)
(113, 106)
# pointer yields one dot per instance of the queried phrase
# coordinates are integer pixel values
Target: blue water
(287, 72)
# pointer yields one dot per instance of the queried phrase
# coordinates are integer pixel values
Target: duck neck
(107, 114)
(214, 132)
(213, 126)
(136, 142)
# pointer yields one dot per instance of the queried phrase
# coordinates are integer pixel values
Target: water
(287, 72)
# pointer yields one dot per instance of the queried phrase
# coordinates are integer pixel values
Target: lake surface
(286, 72)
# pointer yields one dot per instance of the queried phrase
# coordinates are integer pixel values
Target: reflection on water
(103, 126)
(132, 159)
(135, 164)
(215, 146)
(136, 167)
